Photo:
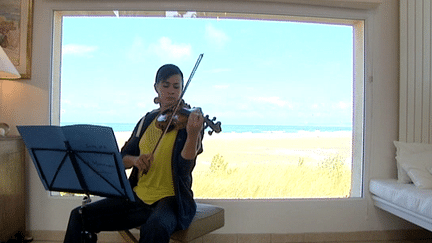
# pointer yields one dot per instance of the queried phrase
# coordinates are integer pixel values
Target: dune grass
(328, 179)
(262, 166)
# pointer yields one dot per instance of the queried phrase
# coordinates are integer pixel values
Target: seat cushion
(207, 219)
(407, 196)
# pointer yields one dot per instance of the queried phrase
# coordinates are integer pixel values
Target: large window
(288, 91)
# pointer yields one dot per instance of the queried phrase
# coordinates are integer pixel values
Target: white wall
(28, 102)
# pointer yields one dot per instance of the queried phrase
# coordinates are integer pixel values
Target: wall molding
(415, 104)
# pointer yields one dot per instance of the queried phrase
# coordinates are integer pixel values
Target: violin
(180, 118)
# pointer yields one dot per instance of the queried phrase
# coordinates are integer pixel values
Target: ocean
(127, 127)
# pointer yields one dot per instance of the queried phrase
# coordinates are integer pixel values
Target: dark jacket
(181, 169)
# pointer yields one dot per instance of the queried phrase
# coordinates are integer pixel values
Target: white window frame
(361, 69)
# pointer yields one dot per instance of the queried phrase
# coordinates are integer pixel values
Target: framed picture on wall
(16, 24)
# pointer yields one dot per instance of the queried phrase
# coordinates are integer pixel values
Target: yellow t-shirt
(158, 182)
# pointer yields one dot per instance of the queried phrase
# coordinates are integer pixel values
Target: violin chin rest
(161, 118)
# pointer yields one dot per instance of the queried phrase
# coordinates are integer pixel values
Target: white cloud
(274, 100)
(79, 50)
(215, 36)
(339, 105)
(219, 70)
(319, 106)
(80, 105)
(343, 105)
(221, 86)
(137, 50)
(110, 112)
(66, 101)
(165, 48)
(87, 105)
(142, 104)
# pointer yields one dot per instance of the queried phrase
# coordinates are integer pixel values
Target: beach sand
(122, 137)
(243, 149)
(275, 147)
(272, 165)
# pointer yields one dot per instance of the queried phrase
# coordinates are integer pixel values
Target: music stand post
(86, 236)
(81, 159)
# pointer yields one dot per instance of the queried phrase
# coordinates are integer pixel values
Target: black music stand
(78, 159)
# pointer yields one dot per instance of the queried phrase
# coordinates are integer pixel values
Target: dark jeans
(157, 222)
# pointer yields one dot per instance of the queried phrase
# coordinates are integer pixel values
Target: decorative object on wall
(7, 69)
(16, 24)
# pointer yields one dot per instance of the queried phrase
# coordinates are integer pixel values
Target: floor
(415, 241)
(381, 237)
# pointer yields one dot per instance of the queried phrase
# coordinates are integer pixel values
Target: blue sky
(253, 72)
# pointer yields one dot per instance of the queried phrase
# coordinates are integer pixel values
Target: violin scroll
(215, 127)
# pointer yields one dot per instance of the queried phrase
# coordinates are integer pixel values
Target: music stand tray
(78, 159)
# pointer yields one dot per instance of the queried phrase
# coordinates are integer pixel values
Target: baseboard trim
(49, 235)
(368, 236)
